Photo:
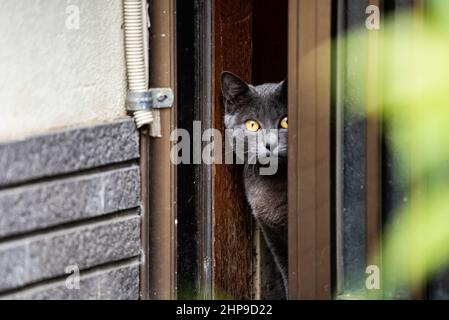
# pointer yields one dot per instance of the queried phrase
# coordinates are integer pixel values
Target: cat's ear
(232, 87)
(283, 91)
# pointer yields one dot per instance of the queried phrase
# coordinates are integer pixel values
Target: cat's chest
(261, 187)
(267, 196)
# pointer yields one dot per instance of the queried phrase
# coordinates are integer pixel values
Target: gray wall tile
(67, 151)
(42, 205)
(121, 283)
(45, 256)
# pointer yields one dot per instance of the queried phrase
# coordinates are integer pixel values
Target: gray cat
(251, 110)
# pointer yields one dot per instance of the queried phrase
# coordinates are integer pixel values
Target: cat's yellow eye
(252, 125)
(284, 123)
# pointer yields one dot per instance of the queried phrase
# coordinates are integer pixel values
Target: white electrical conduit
(135, 50)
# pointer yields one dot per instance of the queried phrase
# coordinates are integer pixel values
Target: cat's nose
(268, 146)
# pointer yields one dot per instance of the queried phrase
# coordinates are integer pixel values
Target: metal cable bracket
(155, 98)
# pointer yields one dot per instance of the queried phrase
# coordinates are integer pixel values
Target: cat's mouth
(268, 156)
(276, 153)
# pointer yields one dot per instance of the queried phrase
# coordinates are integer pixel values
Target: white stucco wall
(53, 77)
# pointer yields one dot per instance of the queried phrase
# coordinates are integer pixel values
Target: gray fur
(267, 195)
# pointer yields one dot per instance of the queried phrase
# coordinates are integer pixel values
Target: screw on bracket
(161, 97)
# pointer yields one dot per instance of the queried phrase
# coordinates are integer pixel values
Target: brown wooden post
(232, 247)
(309, 149)
(145, 199)
(162, 217)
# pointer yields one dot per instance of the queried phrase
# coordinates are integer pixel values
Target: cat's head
(257, 111)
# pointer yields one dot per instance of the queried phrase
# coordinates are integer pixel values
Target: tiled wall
(68, 200)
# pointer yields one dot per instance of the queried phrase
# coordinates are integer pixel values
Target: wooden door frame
(309, 193)
(232, 245)
(162, 190)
